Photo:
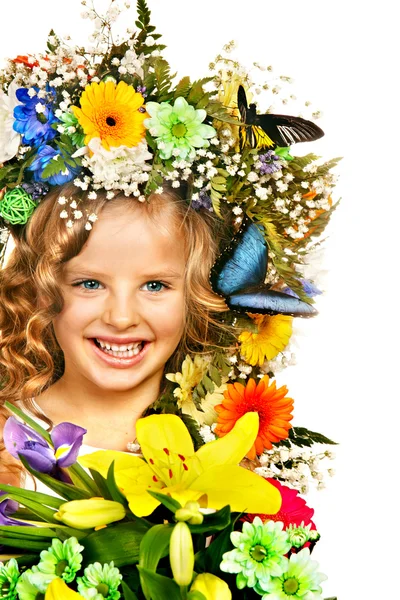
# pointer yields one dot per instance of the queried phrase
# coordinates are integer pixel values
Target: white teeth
(123, 351)
(118, 348)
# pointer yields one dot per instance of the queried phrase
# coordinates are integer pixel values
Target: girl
(90, 321)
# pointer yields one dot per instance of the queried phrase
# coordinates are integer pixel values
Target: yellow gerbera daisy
(112, 112)
(273, 336)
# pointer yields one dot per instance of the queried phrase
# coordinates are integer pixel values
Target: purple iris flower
(35, 126)
(309, 288)
(7, 508)
(44, 156)
(21, 440)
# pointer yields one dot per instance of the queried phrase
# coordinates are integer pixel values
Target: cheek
(72, 319)
(170, 322)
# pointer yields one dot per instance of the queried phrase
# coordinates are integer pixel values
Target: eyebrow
(85, 272)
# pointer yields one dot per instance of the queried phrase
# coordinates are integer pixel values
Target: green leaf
(21, 544)
(167, 501)
(117, 496)
(19, 493)
(300, 435)
(163, 79)
(81, 478)
(215, 375)
(128, 594)
(65, 490)
(29, 421)
(159, 587)
(197, 91)
(153, 547)
(208, 384)
(27, 532)
(119, 543)
(196, 595)
(183, 88)
(101, 483)
(213, 554)
(213, 522)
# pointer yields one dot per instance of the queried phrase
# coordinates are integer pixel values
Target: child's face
(124, 288)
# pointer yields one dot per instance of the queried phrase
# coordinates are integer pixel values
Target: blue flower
(309, 288)
(21, 440)
(35, 126)
(44, 156)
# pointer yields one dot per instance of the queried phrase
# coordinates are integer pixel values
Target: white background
(344, 57)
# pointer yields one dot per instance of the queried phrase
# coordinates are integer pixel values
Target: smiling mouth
(124, 351)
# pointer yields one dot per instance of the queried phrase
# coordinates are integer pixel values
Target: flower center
(41, 118)
(258, 553)
(290, 586)
(61, 566)
(103, 589)
(111, 121)
(179, 130)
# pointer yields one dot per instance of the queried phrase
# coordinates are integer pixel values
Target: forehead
(129, 242)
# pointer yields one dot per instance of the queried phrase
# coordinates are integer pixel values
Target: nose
(121, 311)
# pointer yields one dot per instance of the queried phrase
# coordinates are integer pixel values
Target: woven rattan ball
(17, 206)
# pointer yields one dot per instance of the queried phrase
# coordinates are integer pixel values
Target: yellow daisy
(192, 373)
(273, 336)
(112, 112)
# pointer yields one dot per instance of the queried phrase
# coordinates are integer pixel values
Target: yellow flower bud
(181, 554)
(58, 590)
(84, 514)
(212, 587)
(190, 513)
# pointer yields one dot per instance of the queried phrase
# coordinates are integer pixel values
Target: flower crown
(111, 117)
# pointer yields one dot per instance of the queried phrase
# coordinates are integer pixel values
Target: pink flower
(294, 510)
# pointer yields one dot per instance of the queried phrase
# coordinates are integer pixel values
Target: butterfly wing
(243, 263)
(252, 136)
(239, 274)
(286, 130)
(269, 302)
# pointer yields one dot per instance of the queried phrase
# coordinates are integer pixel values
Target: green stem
(184, 591)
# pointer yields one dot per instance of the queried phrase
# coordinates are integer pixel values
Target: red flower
(293, 511)
(29, 61)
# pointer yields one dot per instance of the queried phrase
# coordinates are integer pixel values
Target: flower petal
(39, 458)
(16, 434)
(233, 446)
(165, 443)
(58, 590)
(67, 439)
(243, 490)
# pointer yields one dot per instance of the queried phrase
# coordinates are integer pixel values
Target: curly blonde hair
(30, 297)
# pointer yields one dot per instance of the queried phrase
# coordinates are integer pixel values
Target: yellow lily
(58, 590)
(212, 587)
(211, 476)
(93, 512)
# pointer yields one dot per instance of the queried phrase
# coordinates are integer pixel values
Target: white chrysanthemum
(120, 168)
(9, 139)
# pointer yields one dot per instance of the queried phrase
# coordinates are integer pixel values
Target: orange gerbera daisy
(271, 404)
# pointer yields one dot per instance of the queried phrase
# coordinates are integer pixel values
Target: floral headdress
(112, 117)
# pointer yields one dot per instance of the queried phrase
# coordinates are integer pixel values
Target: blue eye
(89, 284)
(155, 286)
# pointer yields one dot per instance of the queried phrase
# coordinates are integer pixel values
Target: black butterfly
(239, 274)
(267, 131)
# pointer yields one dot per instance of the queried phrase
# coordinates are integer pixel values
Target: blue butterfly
(239, 274)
